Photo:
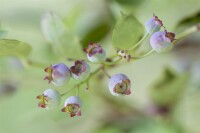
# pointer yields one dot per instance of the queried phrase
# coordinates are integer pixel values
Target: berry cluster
(119, 84)
(160, 40)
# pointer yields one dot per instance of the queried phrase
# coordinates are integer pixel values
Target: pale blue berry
(153, 25)
(58, 74)
(95, 53)
(72, 106)
(161, 41)
(49, 99)
(80, 70)
(119, 84)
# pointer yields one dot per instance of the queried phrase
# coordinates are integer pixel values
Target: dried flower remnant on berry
(95, 52)
(157, 20)
(43, 101)
(153, 25)
(170, 35)
(119, 84)
(72, 106)
(80, 70)
(49, 99)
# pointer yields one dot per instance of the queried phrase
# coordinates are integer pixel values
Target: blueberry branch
(111, 63)
(72, 59)
(187, 32)
(147, 54)
(113, 56)
(103, 62)
(119, 84)
(83, 82)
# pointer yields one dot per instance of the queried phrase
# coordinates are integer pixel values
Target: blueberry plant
(126, 38)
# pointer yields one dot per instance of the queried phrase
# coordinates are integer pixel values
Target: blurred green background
(165, 87)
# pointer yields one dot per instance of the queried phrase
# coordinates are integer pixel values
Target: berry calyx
(119, 84)
(95, 53)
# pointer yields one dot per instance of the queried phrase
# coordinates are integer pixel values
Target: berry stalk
(139, 42)
(83, 82)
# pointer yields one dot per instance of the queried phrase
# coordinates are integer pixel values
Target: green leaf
(64, 42)
(127, 32)
(14, 48)
(98, 32)
(99, 26)
(188, 21)
(169, 88)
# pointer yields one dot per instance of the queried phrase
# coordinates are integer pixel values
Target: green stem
(138, 43)
(83, 82)
(72, 59)
(187, 32)
(105, 72)
(147, 54)
(36, 64)
(67, 91)
(87, 85)
(78, 91)
(111, 63)
(24, 62)
(113, 56)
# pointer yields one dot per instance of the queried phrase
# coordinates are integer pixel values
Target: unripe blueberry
(49, 99)
(80, 70)
(95, 53)
(153, 25)
(72, 106)
(119, 84)
(58, 74)
(161, 41)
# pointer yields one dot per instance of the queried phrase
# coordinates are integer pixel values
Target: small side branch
(83, 82)
(105, 72)
(140, 42)
(147, 54)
